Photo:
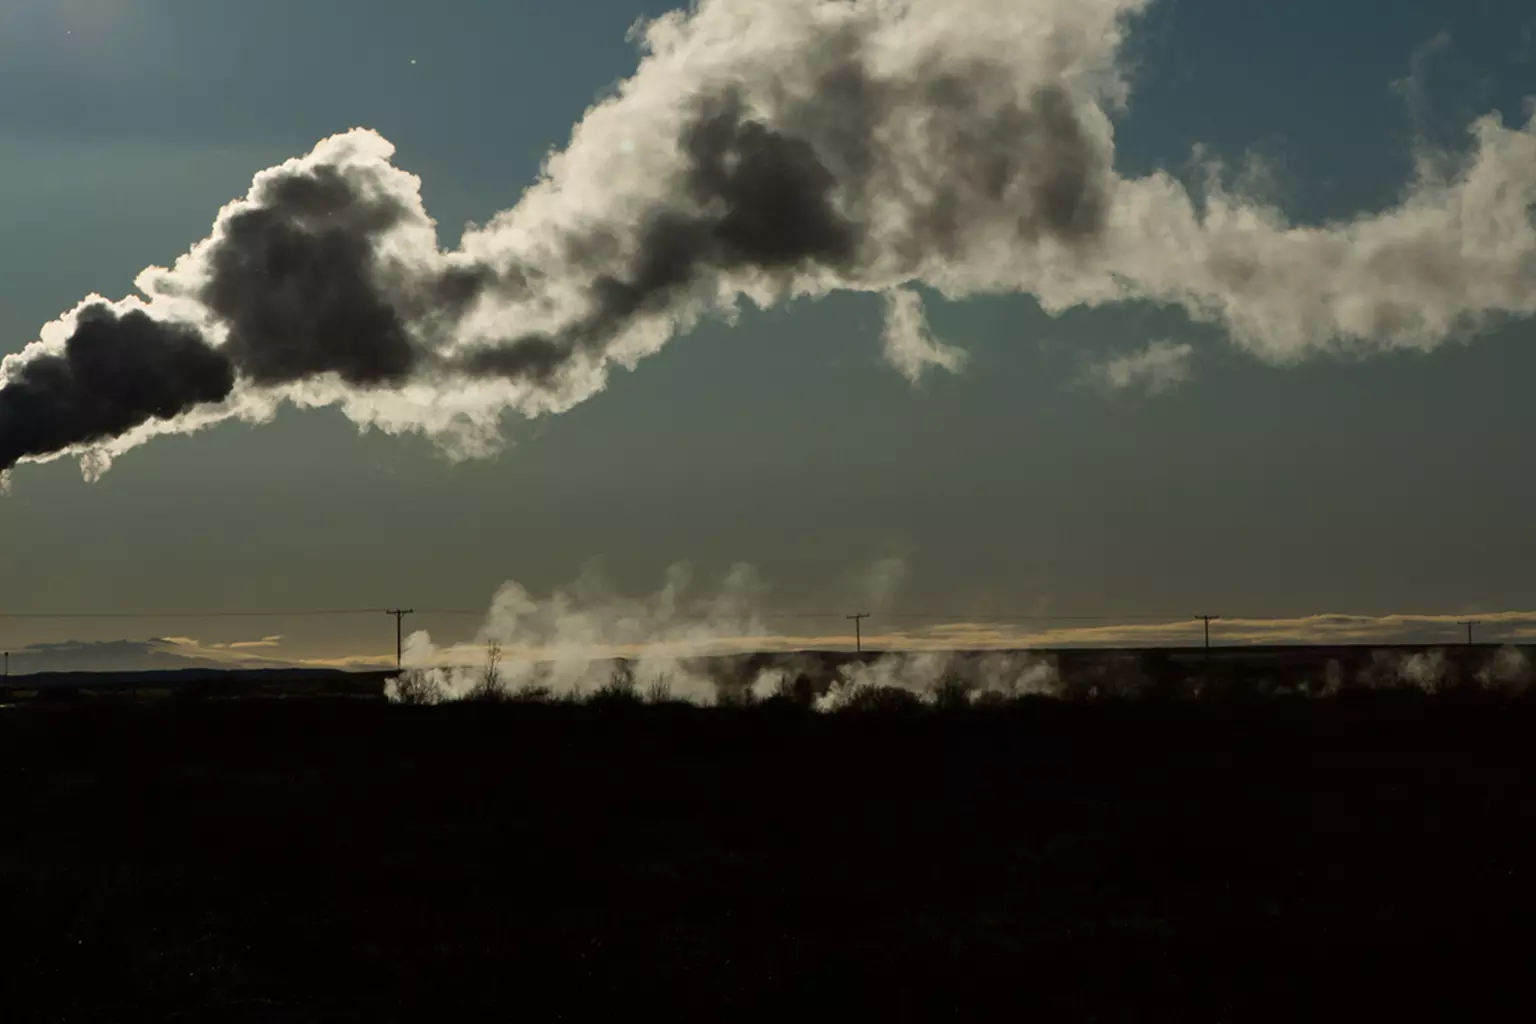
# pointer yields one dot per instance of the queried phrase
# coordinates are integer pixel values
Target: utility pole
(399, 614)
(858, 633)
(1207, 619)
(1469, 625)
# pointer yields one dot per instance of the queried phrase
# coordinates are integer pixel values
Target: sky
(1118, 464)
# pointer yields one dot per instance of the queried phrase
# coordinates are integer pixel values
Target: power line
(956, 618)
(1034, 618)
(301, 613)
(296, 614)
(308, 613)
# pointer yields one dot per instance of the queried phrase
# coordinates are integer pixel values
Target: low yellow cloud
(266, 641)
(1323, 629)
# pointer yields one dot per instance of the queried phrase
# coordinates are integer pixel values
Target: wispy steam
(909, 344)
(710, 642)
(578, 638)
(568, 641)
(759, 152)
(1161, 366)
(876, 587)
(934, 675)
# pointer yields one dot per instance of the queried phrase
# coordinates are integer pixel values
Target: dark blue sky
(1395, 484)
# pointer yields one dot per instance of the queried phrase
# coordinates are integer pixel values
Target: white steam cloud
(760, 152)
(588, 636)
(1160, 367)
(710, 642)
(1508, 671)
(943, 676)
(910, 346)
(569, 642)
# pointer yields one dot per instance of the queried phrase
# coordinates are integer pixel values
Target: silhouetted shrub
(417, 686)
(533, 694)
(882, 699)
(952, 694)
(490, 687)
(619, 689)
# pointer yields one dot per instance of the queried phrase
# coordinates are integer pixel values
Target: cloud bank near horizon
(674, 641)
(155, 654)
(759, 153)
(567, 642)
(1312, 630)
(590, 619)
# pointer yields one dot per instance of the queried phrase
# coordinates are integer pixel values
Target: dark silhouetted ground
(329, 859)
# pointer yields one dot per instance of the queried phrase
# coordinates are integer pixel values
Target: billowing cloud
(760, 152)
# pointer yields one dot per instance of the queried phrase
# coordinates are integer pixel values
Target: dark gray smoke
(760, 152)
(293, 276)
(752, 199)
(759, 194)
(117, 372)
(294, 279)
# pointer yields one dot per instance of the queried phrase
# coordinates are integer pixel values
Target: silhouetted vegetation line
(833, 681)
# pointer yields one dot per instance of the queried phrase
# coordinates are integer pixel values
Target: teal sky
(1398, 484)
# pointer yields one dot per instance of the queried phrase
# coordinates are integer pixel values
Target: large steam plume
(572, 641)
(761, 151)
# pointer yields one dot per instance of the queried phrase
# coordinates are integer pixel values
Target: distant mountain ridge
(181, 676)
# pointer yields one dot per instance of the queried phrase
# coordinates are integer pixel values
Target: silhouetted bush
(532, 694)
(882, 699)
(415, 686)
(952, 694)
(490, 686)
(620, 689)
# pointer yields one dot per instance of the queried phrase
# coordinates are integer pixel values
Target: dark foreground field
(1356, 859)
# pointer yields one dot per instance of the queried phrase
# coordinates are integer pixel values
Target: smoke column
(760, 152)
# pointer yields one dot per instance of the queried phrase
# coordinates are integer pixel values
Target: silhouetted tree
(489, 685)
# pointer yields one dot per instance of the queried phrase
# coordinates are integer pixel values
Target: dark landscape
(483, 343)
(1111, 857)
(1234, 671)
